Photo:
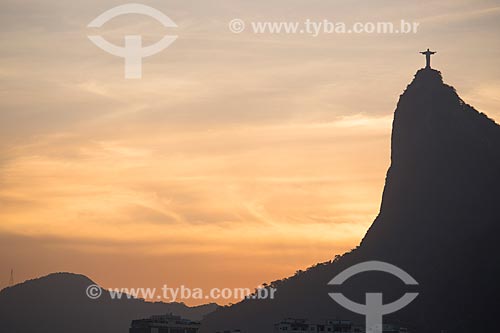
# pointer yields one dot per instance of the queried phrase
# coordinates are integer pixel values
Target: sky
(236, 160)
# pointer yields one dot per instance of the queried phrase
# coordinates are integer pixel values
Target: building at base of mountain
(164, 324)
(294, 325)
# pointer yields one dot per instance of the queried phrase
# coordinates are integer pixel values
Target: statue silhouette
(428, 54)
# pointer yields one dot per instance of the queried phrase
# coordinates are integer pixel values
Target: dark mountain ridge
(58, 303)
(439, 221)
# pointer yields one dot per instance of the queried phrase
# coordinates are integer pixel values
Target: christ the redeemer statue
(428, 54)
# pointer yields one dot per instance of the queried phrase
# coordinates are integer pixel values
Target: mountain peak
(428, 75)
(58, 303)
(60, 280)
(427, 81)
(438, 221)
(444, 157)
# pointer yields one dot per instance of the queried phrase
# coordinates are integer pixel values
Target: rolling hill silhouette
(58, 303)
(439, 221)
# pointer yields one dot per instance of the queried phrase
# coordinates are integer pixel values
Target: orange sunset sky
(237, 159)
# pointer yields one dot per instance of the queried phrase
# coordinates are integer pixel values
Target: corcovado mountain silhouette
(439, 221)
